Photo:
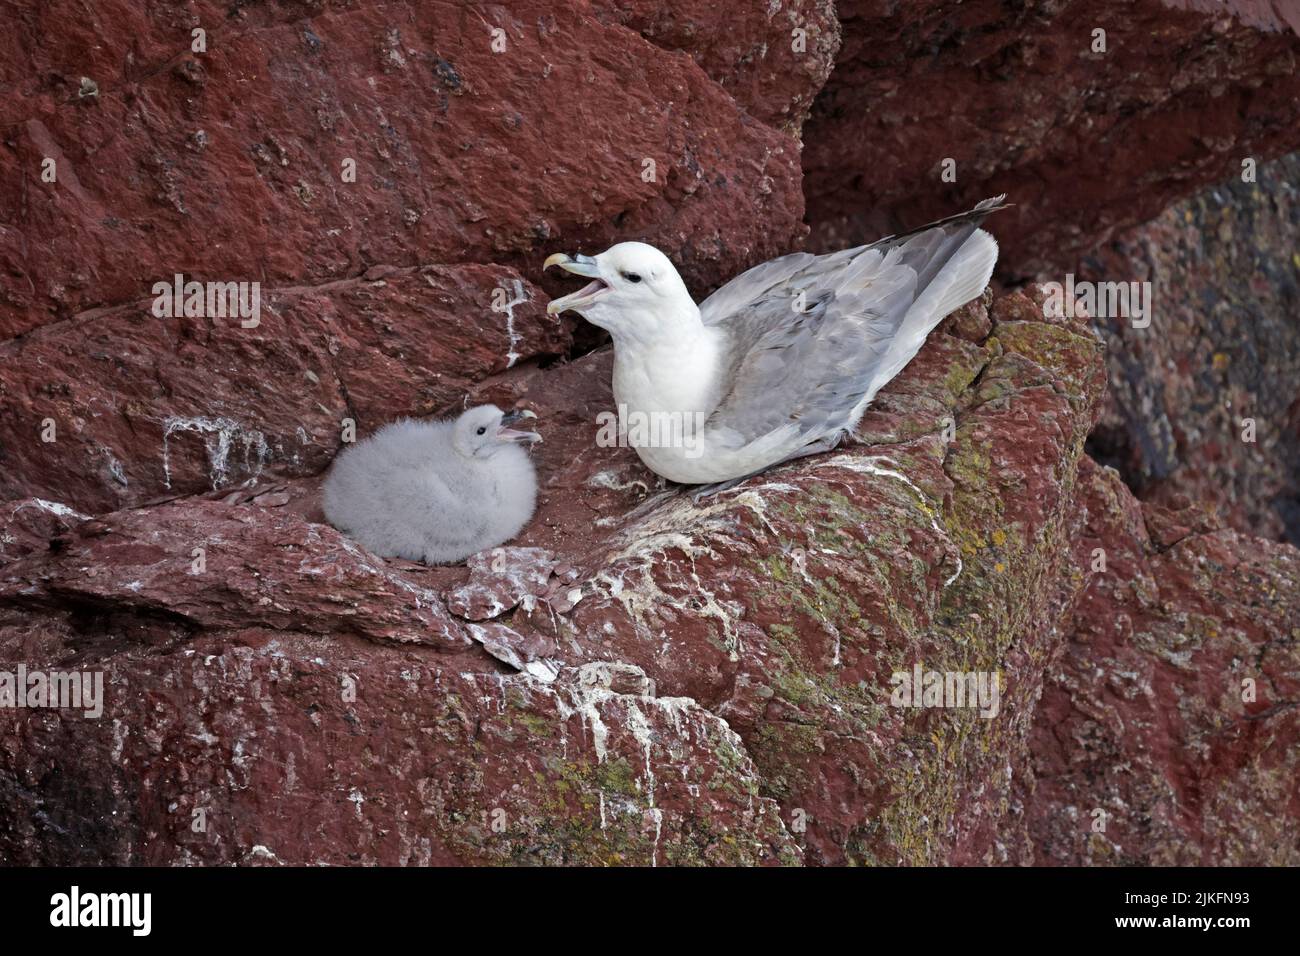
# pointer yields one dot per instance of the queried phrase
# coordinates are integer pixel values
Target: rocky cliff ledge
(638, 679)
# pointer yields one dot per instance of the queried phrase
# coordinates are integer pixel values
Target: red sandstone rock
(637, 679)
(212, 565)
(144, 407)
(500, 580)
(1171, 718)
(227, 165)
(27, 525)
(1205, 403)
(782, 608)
(1084, 143)
(772, 59)
(427, 765)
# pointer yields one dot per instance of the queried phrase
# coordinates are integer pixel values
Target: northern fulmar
(781, 361)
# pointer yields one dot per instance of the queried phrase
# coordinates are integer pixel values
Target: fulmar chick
(435, 492)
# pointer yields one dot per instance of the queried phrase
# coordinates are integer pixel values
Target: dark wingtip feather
(980, 210)
(993, 204)
(972, 217)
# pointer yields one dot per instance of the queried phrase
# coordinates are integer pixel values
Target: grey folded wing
(806, 338)
(806, 369)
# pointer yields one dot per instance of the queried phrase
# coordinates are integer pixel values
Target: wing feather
(808, 340)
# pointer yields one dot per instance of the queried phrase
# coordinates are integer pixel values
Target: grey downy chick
(436, 491)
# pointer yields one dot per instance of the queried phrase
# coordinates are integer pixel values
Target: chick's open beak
(506, 433)
(579, 265)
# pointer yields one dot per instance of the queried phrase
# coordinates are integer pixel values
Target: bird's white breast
(669, 376)
(667, 389)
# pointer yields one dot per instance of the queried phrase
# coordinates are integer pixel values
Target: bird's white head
(484, 430)
(633, 284)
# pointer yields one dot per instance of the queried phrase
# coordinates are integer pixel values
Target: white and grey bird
(781, 361)
(435, 491)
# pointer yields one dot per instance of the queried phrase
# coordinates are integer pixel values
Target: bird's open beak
(578, 265)
(506, 433)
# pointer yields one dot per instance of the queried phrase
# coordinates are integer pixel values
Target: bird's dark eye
(631, 277)
(482, 430)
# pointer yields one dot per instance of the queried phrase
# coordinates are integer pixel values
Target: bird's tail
(929, 249)
(963, 277)
(954, 260)
(974, 216)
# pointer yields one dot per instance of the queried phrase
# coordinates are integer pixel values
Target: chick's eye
(482, 430)
(631, 277)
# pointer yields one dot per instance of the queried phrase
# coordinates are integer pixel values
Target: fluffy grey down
(435, 491)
